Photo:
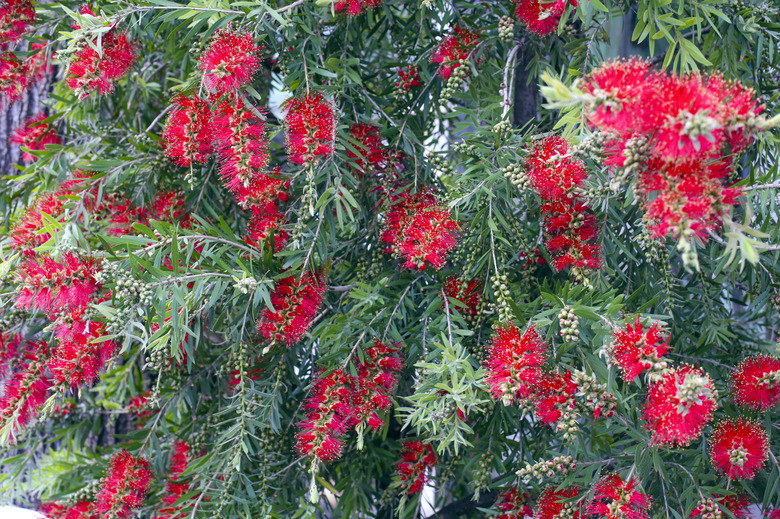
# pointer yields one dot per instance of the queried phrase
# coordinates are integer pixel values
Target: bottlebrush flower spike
(515, 363)
(16, 18)
(53, 510)
(329, 416)
(454, 50)
(311, 128)
(713, 507)
(552, 170)
(240, 136)
(416, 458)
(174, 489)
(52, 286)
(79, 357)
(295, 301)
(372, 154)
(28, 387)
(635, 349)
(614, 498)
(9, 350)
(28, 232)
(90, 71)
(377, 379)
(540, 17)
(356, 7)
(553, 396)
(34, 136)
(679, 406)
(466, 293)
(558, 504)
(124, 487)
(37, 64)
(756, 382)
(187, 136)
(230, 61)
(13, 78)
(513, 505)
(738, 448)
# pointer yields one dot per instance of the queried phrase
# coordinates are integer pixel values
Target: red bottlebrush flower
(371, 153)
(515, 363)
(552, 171)
(35, 136)
(614, 498)
(466, 294)
(187, 135)
(416, 458)
(513, 505)
(454, 50)
(356, 7)
(409, 77)
(738, 448)
(81, 510)
(53, 287)
(635, 349)
(715, 506)
(141, 408)
(230, 61)
(124, 487)
(328, 417)
(29, 232)
(13, 78)
(377, 378)
(79, 357)
(53, 510)
(168, 206)
(240, 136)
(555, 504)
(679, 406)
(174, 489)
(553, 396)
(9, 350)
(27, 389)
(90, 71)
(16, 18)
(295, 302)
(311, 128)
(756, 382)
(538, 16)
(266, 221)
(37, 63)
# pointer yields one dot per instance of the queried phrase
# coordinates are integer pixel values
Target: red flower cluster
(554, 397)
(28, 387)
(140, 407)
(512, 505)
(174, 489)
(78, 510)
(311, 128)
(13, 77)
(557, 504)
(454, 50)
(409, 77)
(187, 135)
(420, 231)
(691, 125)
(679, 406)
(29, 232)
(738, 448)
(515, 363)
(356, 7)
(16, 18)
(81, 354)
(124, 487)
(572, 229)
(467, 294)
(295, 302)
(715, 506)
(635, 349)
(339, 402)
(92, 71)
(416, 458)
(9, 349)
(614, 498)
(371, 153)
(756, 382)
(264, 198)
(230, 61)
(539, 16)
(34, 136)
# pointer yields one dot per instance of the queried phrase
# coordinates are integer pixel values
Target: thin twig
(508, 84)
(390, 320)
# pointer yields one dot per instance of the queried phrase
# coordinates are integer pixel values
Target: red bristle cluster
(28, 387)
(311, 128)
(541, 16)
(572, 229)
(16, 18)
(513, 505)
(53, 510)
(230, 61)
(28, 233)
(356, 7)
(715, 506)
(738, 448)
(515, 363)
(467, 294)
(295, 302)
(614, 498)
(187, 136)
(90, 71)
(371, 153)
(37, 63)
(34, 136)
(416, 459)
(679, 406)
(409, 77)
(124, 488)
(339, 402)
(420, 231)
(454, 49)
(553, 397)
(53, 287)
(690, 126)
(756, 382)
(9, 349)
(13, 78)
(141, 409)
(635, 349)
(81, 353)
(557, 504)
(174, 489)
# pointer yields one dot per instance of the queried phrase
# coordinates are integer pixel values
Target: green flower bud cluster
(129, 293)
(483, 473)
(547, 469)
(465, 148)
(635, 154)
(501, 291)
(506, 29)
(455, 81)
(440, 165)
(370, 267)
(517, 176)
(569, 324)
(501, 129)
(593, 395)
(707, 508)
